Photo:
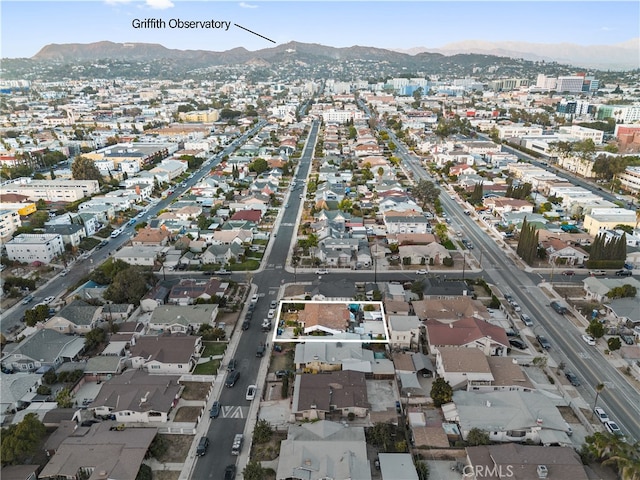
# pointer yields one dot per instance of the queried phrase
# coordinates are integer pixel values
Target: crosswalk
(233, 411)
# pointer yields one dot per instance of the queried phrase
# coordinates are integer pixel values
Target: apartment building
(601, 219)
(9, 222)
(630, 179)
(35, 247)
(52, 190)
(518, 130)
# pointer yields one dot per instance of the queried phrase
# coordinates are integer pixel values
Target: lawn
(88, 243)
(246, 265)
(213, 348)
(209, 368)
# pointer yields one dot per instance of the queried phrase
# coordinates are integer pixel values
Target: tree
(129, 286)
(380, 435)
(94, 338)
(422, 469)
(262, 432)
(623, 291)
(478, 194)
(64, 398)
(614, 344)
(426, 192)
(254, 471)
(477, 437)
(36, 315)
(259, 165)
(441, 392)
(203, 222)
(528, 242)
(20, 441)
(595, 329)
(84, 168)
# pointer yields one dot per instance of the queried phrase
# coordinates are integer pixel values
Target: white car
(251, 392)
(271, 313)
(254, 298)
(601, 414)
(612, 427)
(589, 340)
(48, 300)
(421, 272)
(322, 271)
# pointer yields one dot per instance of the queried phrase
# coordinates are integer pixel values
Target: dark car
(282, 373)
(232, 364)
(544, 343)
(232, 378)
(568, 273)
(230, 472)
(628, 339)
(203, 445)
(624, 273)
(573, 380)
(245, 325)
(215, 410)
(519, 344)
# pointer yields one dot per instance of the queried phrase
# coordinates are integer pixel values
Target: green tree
(84, 168)
(623, 291)
(259, 165)
(441, 392)
(38, 219)
(380, 435)
(595, 329)
(477, 194)
(145, 473)
(129, 286)
(426, 192)
(614, 343)
(254, 471)
(262, 432)
(422, 469)
(36, 315)
(64, 398)
(528, 242)
(203, 222)
(477, 437)
(21, 441)
(94, 337)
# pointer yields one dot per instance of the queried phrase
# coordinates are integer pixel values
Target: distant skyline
(28, 26)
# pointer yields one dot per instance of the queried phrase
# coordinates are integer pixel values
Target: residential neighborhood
(302, 276)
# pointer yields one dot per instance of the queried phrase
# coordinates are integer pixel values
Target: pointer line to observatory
(250, 31)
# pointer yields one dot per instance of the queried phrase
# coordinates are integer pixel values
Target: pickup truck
(222, 271)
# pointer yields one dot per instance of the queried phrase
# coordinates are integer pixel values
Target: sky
(27, 26)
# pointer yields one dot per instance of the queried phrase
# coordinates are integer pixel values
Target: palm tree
(599, 388)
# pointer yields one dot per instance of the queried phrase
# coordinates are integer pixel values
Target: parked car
(282, 373)
(544, 343)
(559, 307)
(624, 273)
(601, 414)
(322, 271)
(573, 379)
(628, 339)
(251, 392)
(273, 304)
(203, 445)
(254, 298)
(261, 349)
(568, 273)
(246, 324)
(589, 340)
(28, 299)
(232, 378)
(421, 272)
(517, 343)
(215, 410)
(49, 299)
(271, 313)
(526, 319)
(597, 273)
(231, 366)
(612, 427)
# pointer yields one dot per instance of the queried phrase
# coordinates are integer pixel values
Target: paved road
(619, 398)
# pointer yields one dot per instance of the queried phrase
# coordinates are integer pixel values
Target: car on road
(597, 273)
(230, 472)
(251, 392)
(601, 414)
(573, 379)
(203, 445)
(273, 304)
(231, 366)
(261, 349)
(102, 244)
(246, 324)
(254, 298)
(526, 319)
(222, 271)
(517, 343)
(588, 339)
(624, 273)
(49, 299)
(421, 272)
(322, 271)
(544, 343)
(28, 299)
(271, 313)
(612, 427)
(568, 273)
(215, 410)
(64, 272)
(232, 378)
(282, 373)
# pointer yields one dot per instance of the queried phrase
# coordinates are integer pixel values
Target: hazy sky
(27, 26)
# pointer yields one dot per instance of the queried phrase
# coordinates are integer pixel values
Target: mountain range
(623, 56)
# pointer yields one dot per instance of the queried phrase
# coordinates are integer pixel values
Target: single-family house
(165, 354)
(141, 255)
(467, 332)
(155, 297)
(77, 317)
(182, 319)
(404, 331)
(317, 396)
(151, 237)
(222, 253)
(45, 348)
